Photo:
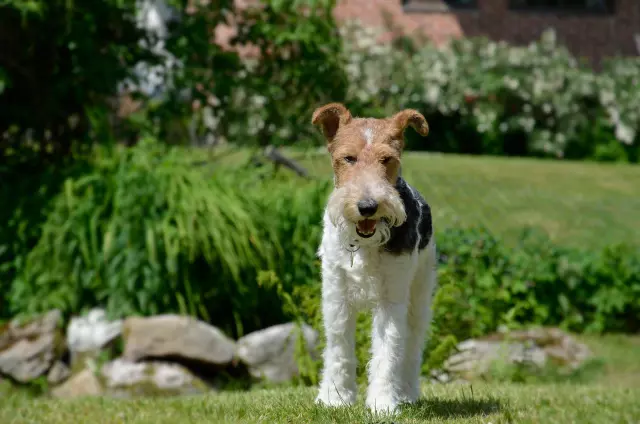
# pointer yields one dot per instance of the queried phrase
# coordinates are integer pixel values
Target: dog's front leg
(386, 366)
(338, 384)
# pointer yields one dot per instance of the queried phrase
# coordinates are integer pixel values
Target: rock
(180, 338)
(440, 377)
(537, 347)
(47, 323)
(27, 360)
(85, 383)
(28, 350)
(92, 332)
(124, 378)
(58, 373)
(270, 353)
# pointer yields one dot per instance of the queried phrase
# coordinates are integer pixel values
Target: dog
(377, 252)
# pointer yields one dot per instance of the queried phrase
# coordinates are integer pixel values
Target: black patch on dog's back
(418, 224)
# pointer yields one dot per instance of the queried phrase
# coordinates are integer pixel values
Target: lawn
(577, 203)
(506, 403)
(581, 204)
(613, 396)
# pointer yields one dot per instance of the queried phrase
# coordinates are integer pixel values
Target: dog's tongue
(367, 225)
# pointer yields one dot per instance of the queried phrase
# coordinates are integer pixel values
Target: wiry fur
(392, 273)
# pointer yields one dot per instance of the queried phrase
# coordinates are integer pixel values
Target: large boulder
(270, 353)
(179, 338)
(29, 349)
(88, 335)
(536, 347)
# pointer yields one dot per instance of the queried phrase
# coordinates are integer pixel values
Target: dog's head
(365, 154)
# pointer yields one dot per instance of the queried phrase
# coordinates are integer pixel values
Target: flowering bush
(486, 97)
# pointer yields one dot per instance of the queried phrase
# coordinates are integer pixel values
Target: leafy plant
(260, 86)
(298, 65)
(147, 232)
(66, 67)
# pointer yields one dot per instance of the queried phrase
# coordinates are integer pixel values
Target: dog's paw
(384, 402)
(411, 393)
(330, 396)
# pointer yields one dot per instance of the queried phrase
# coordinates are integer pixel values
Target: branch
(272, 153)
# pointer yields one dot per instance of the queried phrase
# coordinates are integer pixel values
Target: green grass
(480, 403)
(620, 354)
(580, 204)
(610, 397)
(505, 403)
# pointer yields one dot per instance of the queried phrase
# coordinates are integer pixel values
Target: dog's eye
(385, 160)
(350, 159)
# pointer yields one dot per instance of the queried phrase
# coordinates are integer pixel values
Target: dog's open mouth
(366, 228)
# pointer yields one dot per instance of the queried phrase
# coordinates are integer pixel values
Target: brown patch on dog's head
(366, 145)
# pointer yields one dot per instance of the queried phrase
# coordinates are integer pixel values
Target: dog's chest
(364, 278)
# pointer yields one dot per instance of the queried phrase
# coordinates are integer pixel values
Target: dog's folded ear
(331, 117)
(413, 118)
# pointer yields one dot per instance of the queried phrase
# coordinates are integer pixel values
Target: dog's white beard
(343, 214)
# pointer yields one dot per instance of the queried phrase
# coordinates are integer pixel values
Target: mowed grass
(611, 397)
(505, 403)
(582, 204)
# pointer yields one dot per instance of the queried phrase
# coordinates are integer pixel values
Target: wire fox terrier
(377, 252)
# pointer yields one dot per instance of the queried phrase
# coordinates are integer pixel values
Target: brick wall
(586, 35)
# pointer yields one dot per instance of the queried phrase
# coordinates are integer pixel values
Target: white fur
(398, 289)
(368, 135)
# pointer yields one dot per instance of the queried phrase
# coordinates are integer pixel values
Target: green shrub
(58, 86)
(298, 66)
(26, 198)
(535, 283)
(485, 97)
(148, 231)
(61, 74)
(291, 62)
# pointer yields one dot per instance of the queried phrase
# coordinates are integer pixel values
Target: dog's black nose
(367, 207)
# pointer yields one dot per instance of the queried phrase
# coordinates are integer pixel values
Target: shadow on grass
(453, 408)
(434, 408)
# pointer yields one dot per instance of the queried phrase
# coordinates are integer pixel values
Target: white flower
(625, 133)
(432, 94)
(607, 97)
(510, 82)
